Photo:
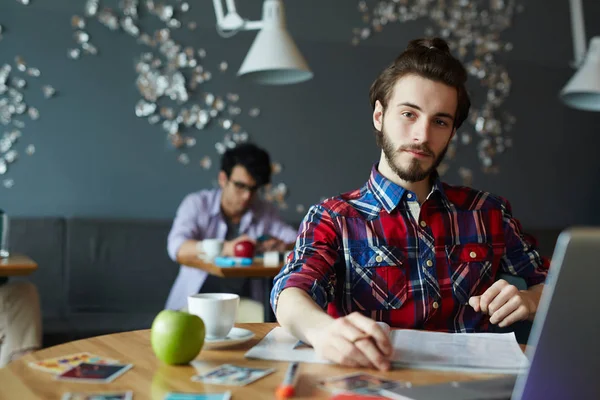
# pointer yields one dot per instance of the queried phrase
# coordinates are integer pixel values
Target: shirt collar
(437, 185)
(390, 194)
(216, 206)
(387, 193)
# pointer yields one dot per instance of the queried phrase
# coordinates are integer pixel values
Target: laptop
(564, 344)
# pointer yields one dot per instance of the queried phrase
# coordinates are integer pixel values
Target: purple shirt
(199, 217)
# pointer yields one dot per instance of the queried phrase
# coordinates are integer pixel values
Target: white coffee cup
(271, 259)
(217, 310)
(211, 248)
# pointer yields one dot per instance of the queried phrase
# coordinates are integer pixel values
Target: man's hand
(354, 341)
(229, 245)
(505, 303)
(271, 244)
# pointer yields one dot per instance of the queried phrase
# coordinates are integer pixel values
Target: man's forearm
(187, 250)
(299, 314)
(534, 294)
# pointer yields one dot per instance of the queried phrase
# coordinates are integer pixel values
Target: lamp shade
(274, 58)
(583, 89)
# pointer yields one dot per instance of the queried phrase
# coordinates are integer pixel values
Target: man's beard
(414, 172)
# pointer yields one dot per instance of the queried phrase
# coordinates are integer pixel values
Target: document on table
(468, 352)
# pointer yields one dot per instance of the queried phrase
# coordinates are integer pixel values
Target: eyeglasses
(242, 186)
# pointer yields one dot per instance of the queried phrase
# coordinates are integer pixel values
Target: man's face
(238, 190)
(416, 126)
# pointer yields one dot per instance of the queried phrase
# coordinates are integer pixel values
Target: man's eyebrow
(416, 107)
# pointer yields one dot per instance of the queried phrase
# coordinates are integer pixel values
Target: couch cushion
(92, 324)
(42, 239)
(118, 266)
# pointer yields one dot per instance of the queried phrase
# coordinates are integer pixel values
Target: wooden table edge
(252, 271)
(17, 265)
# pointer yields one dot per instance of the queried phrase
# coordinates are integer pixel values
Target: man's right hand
(354, 341)
(229, 245)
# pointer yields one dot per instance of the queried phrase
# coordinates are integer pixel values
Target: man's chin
(410, 175)
(418, 168)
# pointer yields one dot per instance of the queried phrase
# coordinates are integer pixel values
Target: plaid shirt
(364, 251)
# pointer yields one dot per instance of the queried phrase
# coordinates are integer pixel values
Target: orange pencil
(287, 388)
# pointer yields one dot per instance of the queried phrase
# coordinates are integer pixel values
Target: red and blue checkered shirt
(364, 251)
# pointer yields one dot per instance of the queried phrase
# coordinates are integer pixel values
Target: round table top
(151, 379)
(17, 264)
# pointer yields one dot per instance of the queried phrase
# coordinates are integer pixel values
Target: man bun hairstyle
(429, 58)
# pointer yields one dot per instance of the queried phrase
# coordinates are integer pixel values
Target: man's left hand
(504, 303)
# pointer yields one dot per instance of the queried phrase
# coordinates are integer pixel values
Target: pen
(286, 388)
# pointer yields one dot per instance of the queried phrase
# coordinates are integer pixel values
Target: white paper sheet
(482, 352)
(469, 352)
(279, 345)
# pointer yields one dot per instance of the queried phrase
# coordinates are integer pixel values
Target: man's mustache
(421, 149)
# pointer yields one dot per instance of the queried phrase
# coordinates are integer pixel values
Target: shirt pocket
(470, 268)
(377, 277)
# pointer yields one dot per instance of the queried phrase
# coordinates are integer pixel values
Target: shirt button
(435, 305)
(379, 259)
(423, 224)
(473, 254)
(429, 263)
(409, 196)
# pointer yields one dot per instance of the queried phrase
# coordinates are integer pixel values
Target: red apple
(244, 249)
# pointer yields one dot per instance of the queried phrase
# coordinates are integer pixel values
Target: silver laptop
(564, 344)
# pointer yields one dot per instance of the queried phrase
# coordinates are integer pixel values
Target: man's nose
(422, 132)
(246, 195)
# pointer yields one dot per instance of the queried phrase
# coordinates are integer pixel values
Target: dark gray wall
(95, 158)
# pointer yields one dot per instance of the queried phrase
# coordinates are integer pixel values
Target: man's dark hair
(429, 58)
(256, 161)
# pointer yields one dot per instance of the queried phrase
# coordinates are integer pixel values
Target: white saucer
(236, 336)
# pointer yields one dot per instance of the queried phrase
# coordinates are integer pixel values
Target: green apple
(177, 337)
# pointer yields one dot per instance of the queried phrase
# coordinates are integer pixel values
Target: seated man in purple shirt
(232, 213)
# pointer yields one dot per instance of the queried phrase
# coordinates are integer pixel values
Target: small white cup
(211, 248)
(217, 310)
(271, 259)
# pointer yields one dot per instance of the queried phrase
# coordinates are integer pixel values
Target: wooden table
(150, 379)
(17, 264)
(256, 270)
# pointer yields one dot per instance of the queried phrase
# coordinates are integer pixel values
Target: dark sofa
(96, 276)
(100, 276)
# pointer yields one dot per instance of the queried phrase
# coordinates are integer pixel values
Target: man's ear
(222, 179)
(378, 115)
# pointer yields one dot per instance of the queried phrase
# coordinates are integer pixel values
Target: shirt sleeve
(521, 257)
(310, 266)
(185, 225)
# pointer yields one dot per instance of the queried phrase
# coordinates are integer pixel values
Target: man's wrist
(317, 327)
(531, 300)
(226, 250)
(311, 334)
